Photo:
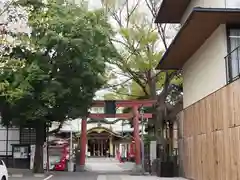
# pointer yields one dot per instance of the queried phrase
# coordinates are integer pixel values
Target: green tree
(141, 44)
(63, 65)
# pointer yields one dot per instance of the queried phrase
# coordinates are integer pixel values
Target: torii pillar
(83, 144)
(137, 139)
(134, 104)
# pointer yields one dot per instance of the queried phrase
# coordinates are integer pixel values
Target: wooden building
(103, 142)
(206, 49)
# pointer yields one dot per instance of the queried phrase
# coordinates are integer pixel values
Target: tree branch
(130, 13)
(133, 74)
(161, 29)
(57, 129)
(125, 94)
(6, 8)
(116, 85)
(174, 110)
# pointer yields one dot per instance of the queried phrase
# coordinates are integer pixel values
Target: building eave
(199, 26)
(103, 129)
(171, 11)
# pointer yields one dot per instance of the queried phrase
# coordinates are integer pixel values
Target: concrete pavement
(92, 176)
(107, 165)
(74, 176)
(98, 169)
(85, 176)
(128, 177)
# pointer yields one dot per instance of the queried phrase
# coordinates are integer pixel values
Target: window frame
(229, 75)
(1, 162)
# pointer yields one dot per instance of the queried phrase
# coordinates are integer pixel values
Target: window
(233, 57)
(232, 3)
(27, 136)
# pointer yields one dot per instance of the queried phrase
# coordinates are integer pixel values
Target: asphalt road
(86, 176)
(98, 169)
(92, 176)
(63, 176)
(75, 176)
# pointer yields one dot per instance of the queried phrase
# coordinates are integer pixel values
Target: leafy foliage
(60, 66)
(141, 44)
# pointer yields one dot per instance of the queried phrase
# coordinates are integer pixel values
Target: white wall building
(7, 138)
(207, 50)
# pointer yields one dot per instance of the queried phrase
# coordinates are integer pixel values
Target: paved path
(87, 176)
(93, 176)
(99, 169)
(128, 177)
(107, 165)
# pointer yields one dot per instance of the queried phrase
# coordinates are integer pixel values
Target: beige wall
(204, 72)
(210, 4)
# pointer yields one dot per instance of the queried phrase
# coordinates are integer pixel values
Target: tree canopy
(141, 44)
(53, 72)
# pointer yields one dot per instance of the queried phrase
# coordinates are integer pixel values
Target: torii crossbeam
(135, 105)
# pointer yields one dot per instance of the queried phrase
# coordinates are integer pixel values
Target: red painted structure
(62, 151)
(83, 143)
(131, 152)
(124, 115)
(135, 105)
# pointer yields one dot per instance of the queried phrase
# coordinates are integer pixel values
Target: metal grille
(27, 136)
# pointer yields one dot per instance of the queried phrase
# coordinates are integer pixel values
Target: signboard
(20, 152)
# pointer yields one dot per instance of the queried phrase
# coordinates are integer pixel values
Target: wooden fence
(209, 136)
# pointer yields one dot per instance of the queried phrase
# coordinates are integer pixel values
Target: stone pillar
(98, 149)
(114, 150)
(120, 149)
(101, 147)
(110, 146)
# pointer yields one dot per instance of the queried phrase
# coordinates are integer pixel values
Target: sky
(94, 4)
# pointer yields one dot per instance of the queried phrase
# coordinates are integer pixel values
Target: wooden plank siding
(209, 134)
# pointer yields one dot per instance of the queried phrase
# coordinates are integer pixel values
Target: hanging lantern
(110, 107)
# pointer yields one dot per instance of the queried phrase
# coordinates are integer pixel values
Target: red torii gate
(134, 104)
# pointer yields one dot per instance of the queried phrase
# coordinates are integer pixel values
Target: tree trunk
(38, 159)
(158, 114)
(151, 79)
(159, 127)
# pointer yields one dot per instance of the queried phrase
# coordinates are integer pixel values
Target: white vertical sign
(45, 156)
(153, 153)
(32, 155)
